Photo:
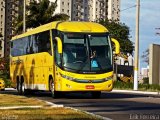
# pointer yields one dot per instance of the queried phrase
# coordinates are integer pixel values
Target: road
(113, 105)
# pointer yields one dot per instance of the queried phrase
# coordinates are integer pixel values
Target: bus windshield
(86, 53)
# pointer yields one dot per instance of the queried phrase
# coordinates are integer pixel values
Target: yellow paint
(136, 69)
(88, 27)
(2, 84)
(59, 41)
(36, 68)
(117, 45)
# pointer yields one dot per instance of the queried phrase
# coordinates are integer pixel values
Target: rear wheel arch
(49, 82)
(17, 82)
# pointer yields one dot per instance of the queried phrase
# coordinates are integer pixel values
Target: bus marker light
(90, 87)
(109, 85)
(68, 86)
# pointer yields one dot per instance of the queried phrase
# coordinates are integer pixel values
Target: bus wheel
(19, 88)
(96, 94)
(22, 90)
(51, 87)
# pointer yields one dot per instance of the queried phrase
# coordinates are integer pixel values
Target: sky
(149, 20)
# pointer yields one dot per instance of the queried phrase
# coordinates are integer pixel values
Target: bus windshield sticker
(94, 64)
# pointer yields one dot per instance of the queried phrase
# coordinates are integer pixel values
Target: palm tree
(39, 13)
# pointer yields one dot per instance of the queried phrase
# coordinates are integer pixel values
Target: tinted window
(42, 41)
(32, 44)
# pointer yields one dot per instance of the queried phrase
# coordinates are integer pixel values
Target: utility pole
(24, 16)
(136, 65)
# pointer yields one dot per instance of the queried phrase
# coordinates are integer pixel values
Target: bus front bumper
(74, 86)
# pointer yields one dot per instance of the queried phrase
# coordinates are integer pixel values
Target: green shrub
(143, 87)
(146, 80)
(4, 71)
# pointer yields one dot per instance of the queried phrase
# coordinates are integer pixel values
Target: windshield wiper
(69, 68)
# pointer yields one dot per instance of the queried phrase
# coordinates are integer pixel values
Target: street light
(136, 66)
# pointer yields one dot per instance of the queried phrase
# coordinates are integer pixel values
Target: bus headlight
(109, 78)
(67, 77)
(86, 80)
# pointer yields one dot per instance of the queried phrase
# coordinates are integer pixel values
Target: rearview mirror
(117, 45)
(59, 44)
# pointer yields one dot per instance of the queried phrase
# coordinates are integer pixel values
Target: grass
(142, 87)
(45, 113)
(13, 100)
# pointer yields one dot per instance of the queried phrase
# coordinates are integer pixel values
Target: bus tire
(19, 88)
(23, 91)
(2, 89)
(55, 94)
(51, 86)
(96, 94)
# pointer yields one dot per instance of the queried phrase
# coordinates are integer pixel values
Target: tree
(38, 13)
(120, 32)
(145, 56)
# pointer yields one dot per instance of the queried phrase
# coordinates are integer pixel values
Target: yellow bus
(63, 57)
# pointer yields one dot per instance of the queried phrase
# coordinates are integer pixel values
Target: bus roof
(67, 26)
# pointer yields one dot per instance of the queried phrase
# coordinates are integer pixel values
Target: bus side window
(43, 41)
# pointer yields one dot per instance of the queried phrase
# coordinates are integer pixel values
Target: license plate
(89, 86)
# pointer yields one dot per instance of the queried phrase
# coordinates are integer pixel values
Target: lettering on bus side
(17, 61)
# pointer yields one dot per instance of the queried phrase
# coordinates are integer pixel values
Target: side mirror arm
(117, 45)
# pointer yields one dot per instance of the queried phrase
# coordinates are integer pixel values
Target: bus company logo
(89, 81)
(90, 77)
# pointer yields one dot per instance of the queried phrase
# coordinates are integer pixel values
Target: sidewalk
(137, 92)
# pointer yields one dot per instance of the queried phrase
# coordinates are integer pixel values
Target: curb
(52, 105)
(98, 116)
(19, 107)
(137, 92)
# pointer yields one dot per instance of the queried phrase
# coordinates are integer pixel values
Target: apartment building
(89, 10)
(78, 10)
(145, 72)
(12, 9)
(2, 24)
(114, 9)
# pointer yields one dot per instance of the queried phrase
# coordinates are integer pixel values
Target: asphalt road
(113, 105)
